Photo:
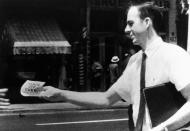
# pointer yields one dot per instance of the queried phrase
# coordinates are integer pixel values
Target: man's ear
(148, 21)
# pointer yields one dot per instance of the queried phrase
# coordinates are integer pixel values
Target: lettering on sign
(123, 3)
(104, 3)
(162, 3)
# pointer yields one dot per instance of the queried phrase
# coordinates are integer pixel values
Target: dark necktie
(142, 99)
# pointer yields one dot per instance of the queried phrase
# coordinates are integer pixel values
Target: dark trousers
(130, 114)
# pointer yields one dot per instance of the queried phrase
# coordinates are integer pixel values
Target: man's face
(136, 27)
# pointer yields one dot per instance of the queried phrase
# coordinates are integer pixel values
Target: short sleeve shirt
(165, 63)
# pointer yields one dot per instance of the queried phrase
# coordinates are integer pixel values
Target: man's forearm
(179, 119)
(90, 99)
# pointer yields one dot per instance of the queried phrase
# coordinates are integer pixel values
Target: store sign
(122, 3)
(162, 3)
(104, 3)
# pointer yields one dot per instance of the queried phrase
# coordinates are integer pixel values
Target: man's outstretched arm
(90, 99)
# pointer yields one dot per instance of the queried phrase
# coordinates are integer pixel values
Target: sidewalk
(48, 107)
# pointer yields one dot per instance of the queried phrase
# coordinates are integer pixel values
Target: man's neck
(151, 36)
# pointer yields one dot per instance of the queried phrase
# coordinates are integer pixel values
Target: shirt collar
(152, 47)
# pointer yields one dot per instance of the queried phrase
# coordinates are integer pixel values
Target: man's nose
(127, 30)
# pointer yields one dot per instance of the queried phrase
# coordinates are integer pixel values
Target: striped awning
(41, 47)
(37, 36)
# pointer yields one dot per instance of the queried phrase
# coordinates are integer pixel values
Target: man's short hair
(149, 9)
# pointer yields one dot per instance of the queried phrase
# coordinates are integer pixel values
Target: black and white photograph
(94, 65)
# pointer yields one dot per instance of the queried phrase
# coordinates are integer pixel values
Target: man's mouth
(134, 40)
(132, 37)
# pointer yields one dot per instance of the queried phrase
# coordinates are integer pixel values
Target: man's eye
(130, 23)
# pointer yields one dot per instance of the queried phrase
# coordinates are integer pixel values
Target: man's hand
(3, 101)
(160, 127)
(51, 94)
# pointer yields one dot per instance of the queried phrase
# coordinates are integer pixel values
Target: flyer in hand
(32, 88)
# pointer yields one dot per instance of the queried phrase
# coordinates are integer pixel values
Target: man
(164, 63)
(3, 101)
(97, 69)
(114, 69)
(127, 56)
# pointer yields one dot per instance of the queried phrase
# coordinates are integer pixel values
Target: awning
(40, 47)
(37, 36)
